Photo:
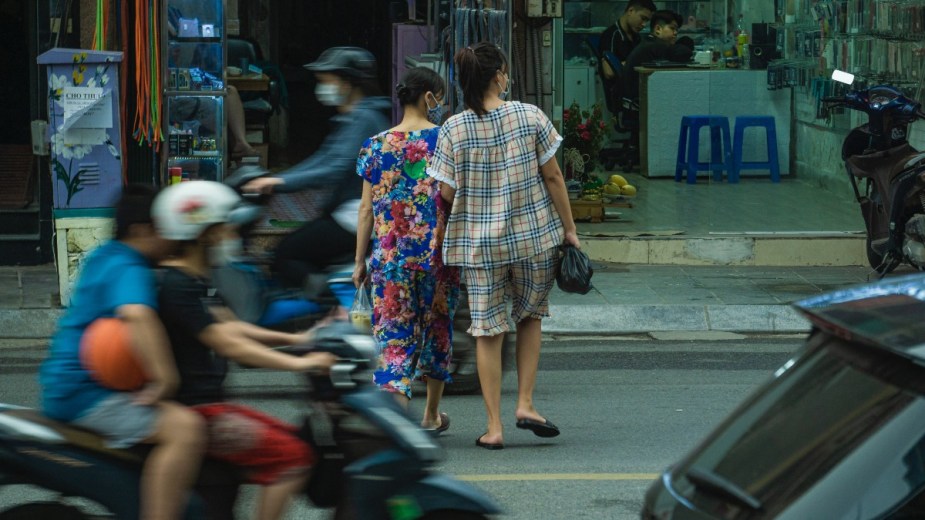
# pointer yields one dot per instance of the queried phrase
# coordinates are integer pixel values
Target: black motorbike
(374, 462)
(886, 173)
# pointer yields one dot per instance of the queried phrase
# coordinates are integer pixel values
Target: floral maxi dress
(414, 295)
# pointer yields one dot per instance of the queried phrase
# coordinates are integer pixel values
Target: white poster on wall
(86, 107)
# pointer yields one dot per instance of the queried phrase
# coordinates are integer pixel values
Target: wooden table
(250, 82)
(593, 210)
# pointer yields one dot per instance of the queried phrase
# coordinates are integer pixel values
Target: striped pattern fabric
(526, 282)
(502, 212)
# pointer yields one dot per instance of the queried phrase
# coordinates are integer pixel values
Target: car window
(839, 433)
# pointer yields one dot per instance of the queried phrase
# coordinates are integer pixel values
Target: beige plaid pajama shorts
(527, 282)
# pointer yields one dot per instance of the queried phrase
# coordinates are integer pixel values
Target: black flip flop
(488, 445)
(540, 429)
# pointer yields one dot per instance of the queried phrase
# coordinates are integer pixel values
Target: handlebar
(861, 100)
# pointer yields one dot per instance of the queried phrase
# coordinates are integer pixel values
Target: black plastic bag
(574, 272)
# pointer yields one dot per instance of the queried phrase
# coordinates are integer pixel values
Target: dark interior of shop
(300, 31)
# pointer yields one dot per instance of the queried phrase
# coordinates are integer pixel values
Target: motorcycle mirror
(843, 77)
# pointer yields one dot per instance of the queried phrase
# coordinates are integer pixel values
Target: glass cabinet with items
(193, 59)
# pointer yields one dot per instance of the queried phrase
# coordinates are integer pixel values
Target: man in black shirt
(622, 37)
(660, 45)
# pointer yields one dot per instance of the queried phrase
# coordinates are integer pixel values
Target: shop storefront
(771, 92)
(791, 49)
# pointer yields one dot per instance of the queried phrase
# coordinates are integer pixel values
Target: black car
(837, 433)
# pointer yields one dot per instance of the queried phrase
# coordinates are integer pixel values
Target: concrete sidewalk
(627, 299)
(664, 299)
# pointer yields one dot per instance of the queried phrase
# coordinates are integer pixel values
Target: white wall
(755, 11)
(673, 94)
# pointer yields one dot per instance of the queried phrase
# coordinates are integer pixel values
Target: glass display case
(194, 95)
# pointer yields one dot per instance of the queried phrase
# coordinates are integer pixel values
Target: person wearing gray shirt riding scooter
(347, 81)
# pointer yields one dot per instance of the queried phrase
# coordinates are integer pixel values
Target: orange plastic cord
(147, 72)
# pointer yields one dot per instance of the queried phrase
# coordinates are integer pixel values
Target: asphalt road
(626, 408)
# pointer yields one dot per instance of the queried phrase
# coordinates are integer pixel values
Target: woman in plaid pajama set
(414, 294)
(510, 212)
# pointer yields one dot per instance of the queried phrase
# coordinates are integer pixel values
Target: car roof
(888, 314)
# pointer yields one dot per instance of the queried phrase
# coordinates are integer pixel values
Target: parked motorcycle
(886, 173)
(254, 296)
(374, 461)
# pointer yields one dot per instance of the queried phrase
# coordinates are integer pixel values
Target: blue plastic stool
(772, 164)
(689, 148)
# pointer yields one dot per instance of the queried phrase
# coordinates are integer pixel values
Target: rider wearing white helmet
(203, 217)
(184, 211)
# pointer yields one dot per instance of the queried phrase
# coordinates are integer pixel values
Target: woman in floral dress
(414, 294)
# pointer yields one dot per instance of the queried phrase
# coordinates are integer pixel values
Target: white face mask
(227, 251)
(329, 94)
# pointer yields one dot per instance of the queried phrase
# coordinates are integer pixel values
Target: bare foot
(438, 424)
(528, 414)
(491, 442)
(492, 438)
(431, 422)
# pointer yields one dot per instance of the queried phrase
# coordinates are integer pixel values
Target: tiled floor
(754, 205)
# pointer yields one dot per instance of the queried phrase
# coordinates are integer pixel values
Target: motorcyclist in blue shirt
(347, 80)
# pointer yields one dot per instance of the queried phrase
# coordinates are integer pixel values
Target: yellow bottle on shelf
(741, 39)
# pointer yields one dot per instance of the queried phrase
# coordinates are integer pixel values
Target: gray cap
(352, 62)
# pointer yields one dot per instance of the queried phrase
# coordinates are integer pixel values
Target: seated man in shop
(661, 44)
(616, 44)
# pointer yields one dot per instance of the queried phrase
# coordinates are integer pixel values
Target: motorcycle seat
(29, 424)
(32, 425)
(884, 165)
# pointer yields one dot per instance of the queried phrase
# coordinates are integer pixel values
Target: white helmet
(183, 211)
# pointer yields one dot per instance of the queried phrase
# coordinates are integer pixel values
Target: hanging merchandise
(102, 24)
(147, 126)
(475, 21)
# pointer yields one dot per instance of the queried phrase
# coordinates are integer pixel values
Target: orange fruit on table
(106, 352)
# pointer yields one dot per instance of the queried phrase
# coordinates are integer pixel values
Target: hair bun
(400, 89)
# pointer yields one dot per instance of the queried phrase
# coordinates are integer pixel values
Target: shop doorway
(25, 223)
(299, 32)
(14, 111)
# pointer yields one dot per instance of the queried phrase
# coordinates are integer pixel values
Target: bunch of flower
(584, 131)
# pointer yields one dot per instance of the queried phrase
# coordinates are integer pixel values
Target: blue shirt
(112, 276)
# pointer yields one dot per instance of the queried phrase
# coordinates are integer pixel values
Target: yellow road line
(558, 476)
